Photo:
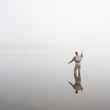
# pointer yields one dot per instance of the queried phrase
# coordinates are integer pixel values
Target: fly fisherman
(77, 59)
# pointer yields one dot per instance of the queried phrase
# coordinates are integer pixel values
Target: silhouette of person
(77, 59)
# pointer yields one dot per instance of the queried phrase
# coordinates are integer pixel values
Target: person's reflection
(77, 86)
(77, 59)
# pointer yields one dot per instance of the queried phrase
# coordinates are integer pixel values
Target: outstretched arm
(71, 60)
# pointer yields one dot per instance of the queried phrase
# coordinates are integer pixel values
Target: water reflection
(77, 85)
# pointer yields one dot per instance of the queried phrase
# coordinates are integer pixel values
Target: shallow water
(37, 79)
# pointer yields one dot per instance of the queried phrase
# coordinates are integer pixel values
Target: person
(77, 59)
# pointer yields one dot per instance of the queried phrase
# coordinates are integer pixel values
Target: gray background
(38, 38)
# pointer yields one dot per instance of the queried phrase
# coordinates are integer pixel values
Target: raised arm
(71, 60)
(81, 55)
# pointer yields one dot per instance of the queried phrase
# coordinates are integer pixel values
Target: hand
(68, 62)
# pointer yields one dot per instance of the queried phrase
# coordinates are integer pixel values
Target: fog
(38, 38)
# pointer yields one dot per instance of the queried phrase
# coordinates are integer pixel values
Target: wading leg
(79, 75)
(75, 73)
